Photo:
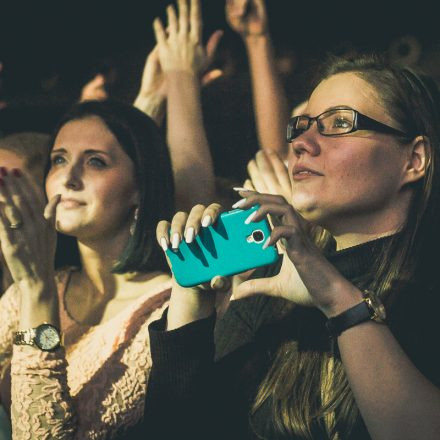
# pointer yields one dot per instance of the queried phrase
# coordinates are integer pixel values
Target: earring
(134, 222)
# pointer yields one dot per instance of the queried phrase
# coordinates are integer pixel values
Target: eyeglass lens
(332, 122)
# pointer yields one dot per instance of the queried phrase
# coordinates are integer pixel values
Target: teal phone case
(226, 248)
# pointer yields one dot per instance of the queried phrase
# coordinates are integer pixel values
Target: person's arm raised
(183, 58)
(249, 19)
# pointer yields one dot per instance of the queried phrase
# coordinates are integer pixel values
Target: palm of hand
(153, 80)
(288, 284)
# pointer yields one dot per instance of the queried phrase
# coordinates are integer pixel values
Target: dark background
(49, 50)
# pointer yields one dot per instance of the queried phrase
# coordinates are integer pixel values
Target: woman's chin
(67, 228)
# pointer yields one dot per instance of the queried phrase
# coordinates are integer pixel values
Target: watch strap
(353, 316)
(24, 337)
(30, 336)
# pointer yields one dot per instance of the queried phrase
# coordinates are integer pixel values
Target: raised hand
(269, 174)
(247, 17)
(180, 47)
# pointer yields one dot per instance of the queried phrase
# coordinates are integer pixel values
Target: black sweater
(205, 375)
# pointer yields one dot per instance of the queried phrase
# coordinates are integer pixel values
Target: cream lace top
(92, 389)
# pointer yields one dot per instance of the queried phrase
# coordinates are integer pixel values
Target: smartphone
(227, 247)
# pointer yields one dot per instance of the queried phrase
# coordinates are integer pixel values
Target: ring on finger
(16, 225)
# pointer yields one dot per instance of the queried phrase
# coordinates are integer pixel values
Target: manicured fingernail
(3, 171)
(16, 172)
(266, 243)
(164, 244)
(189, 235)
(207, 220)
(232, 297)
(239, 188)
(239, 203)
(249, 219)
(175, 241)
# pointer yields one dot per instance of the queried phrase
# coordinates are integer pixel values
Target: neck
(98, 257)
(354, 230)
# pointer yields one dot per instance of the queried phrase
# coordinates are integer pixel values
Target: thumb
(50, 209)
(259, 286)
(221, 284)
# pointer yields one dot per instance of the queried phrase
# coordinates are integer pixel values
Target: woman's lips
(301, 173)
(71, 203)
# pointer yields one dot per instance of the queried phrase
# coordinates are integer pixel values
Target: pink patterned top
(92, 389)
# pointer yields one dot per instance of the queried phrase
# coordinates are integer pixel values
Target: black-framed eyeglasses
(338, 121)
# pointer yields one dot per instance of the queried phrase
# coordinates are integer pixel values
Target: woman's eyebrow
(89, 151)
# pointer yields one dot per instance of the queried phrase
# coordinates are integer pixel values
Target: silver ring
(17, 225)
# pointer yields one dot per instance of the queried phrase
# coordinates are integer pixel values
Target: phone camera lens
(258, 236)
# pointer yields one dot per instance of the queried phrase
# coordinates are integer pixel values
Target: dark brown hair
(142, 141)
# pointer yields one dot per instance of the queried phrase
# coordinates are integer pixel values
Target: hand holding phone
(227, 247)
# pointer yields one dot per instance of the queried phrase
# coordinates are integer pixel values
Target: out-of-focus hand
(94, 89)
(247, 17)
(269, 175)
(180, 46)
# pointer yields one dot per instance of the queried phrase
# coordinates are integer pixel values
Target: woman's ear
(418, 159)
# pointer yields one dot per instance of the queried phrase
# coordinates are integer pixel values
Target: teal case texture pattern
(226, 248)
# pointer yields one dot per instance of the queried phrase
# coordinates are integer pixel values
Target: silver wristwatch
(46, 337)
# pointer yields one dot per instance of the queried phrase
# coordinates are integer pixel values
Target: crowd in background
(92, 165)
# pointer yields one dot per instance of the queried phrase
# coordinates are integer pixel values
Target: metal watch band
(25, 337)
(351, 317)
(33, 337)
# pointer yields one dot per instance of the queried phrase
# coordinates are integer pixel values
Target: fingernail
(266, 243)
(239, 203)
(164, 244)
(189, 235)
(16, 172)
(175, 241)
(249, 219)
(3, 171)
(239, 188)
(232, 297)
(207, 220)
(218, 282)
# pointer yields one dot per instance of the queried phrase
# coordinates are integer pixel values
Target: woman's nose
(307, 143)
(73, 177)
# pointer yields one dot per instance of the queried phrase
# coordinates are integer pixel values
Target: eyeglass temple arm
(368, 123)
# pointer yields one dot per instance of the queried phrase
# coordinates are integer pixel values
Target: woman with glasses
(340, 341)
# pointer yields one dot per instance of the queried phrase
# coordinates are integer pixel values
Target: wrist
(189, 305)
(343, 299)
(255, 39)
(176, 74)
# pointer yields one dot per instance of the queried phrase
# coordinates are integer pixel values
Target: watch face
(47, 337)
